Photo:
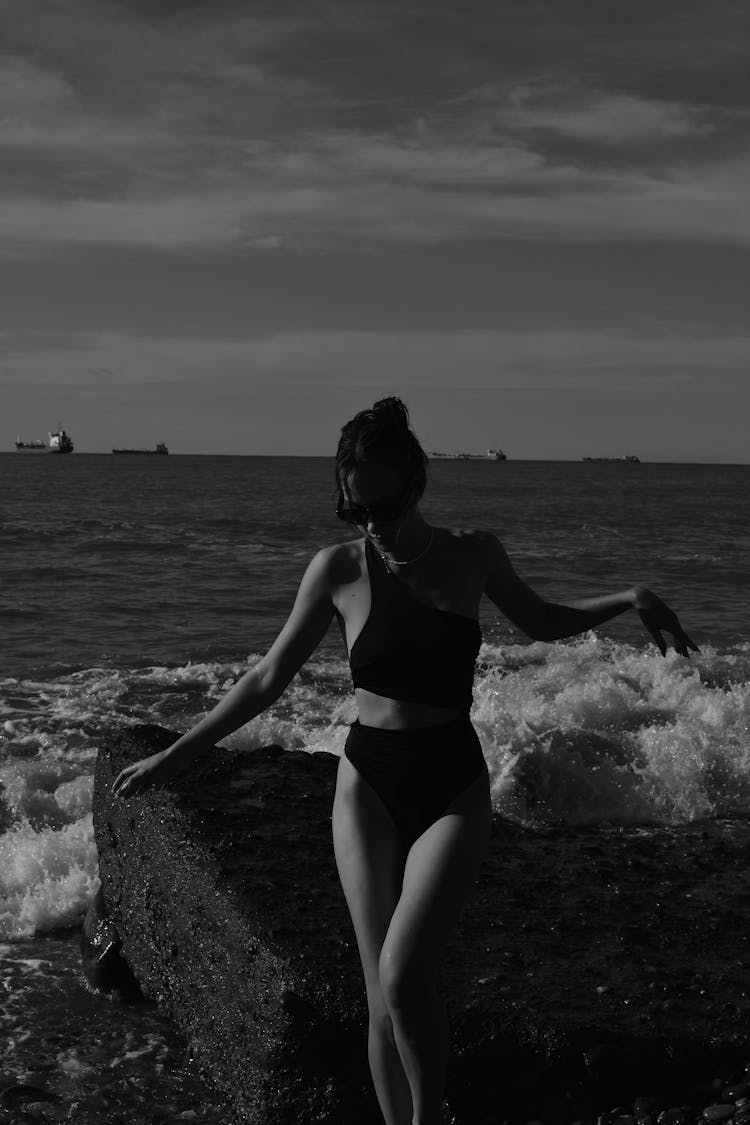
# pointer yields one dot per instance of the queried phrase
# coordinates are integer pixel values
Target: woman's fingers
(121, 779)
(126, 781)
(691, 644)
(654, 633)
(682, 642)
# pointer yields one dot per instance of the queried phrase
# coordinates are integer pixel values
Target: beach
(138, 591)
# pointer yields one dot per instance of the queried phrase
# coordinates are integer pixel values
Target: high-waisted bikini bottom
(417, 774)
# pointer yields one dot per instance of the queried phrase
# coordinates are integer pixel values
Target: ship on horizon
(631, 457)
(160, 448)
(490, 455)
(58, 442)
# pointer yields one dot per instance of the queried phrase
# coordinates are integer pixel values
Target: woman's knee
(379, 1016)
(404, 985)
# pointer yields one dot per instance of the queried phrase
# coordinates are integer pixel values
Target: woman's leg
(440, 871)
(370, 858)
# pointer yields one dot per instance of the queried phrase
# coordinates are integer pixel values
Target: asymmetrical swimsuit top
(412, 651)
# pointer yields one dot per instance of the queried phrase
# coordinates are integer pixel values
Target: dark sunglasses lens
(390, 510)
(386, 511)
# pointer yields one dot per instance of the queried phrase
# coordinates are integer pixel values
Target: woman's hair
(382, 434)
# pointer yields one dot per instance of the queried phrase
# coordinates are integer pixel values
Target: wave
(578, 733)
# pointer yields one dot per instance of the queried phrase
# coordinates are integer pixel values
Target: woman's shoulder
(474, 541)
(339, 563)
(473, 550)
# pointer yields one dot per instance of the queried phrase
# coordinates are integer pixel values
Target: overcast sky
(230, 225)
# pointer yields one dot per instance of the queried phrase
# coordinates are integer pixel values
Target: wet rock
(736, 1091)
(20, 1093)
(101, 951)
(718, 1112)
(223, 891)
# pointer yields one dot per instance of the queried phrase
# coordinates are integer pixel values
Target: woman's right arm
(261, 686)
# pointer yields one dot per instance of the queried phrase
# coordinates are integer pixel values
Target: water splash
(582, 732)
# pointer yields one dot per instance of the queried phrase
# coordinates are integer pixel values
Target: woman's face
(385, 499)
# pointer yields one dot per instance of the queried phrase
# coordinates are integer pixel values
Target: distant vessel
(490, 455)
(161, 448)
(58, 442)
(630, 457)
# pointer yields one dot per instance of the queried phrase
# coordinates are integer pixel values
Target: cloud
(190, 129)
(596, 115)
(380, 194)
(464, 360)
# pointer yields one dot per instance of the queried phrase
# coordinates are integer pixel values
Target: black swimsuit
(412, 651)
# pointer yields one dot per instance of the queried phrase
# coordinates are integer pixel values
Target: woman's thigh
(370, 859)
(439, 874)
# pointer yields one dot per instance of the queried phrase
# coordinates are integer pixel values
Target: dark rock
(735, 1092)
(101, 952)
(20, 1093)
(613, 1067)
(224, 894)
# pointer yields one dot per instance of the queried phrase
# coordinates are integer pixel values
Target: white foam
(578, 732)
(48, 877)
(596, 730)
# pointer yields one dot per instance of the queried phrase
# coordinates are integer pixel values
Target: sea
(137, 589)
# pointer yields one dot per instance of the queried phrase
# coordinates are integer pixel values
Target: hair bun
(392, 411)
(382, 433)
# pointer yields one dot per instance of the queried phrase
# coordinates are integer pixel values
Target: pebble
(718, 1112)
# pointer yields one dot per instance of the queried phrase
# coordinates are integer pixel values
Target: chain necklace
(408, 562)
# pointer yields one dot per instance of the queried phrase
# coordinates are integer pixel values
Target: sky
(230, 225)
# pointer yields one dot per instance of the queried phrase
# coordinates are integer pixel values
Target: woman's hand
(156, 770)
(656, 616)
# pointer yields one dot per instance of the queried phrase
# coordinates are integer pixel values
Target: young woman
(411, 814)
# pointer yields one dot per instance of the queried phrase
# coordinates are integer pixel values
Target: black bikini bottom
(416, 773)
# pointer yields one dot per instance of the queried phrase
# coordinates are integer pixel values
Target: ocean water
(138, 589)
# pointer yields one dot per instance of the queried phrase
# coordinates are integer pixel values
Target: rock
(718, 1112)
(20, 1093)
(224, 894)
(736, 1091)
(223, 891)
(101, 952)
(612, 1066)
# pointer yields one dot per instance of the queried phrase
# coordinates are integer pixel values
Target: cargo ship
(490, 455)
(161, 448)
(630, 457)
(58, 442)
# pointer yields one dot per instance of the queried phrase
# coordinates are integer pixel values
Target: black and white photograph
(374, 522)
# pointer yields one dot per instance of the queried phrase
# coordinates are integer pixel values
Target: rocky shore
(596, 969)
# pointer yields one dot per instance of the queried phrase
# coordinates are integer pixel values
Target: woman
(411, 814)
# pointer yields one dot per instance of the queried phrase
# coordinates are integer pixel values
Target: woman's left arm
(551, 621)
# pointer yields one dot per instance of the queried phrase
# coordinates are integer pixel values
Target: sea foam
(579, 732)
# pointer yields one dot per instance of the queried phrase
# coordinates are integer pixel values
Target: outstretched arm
(255, 691)
(550, 621)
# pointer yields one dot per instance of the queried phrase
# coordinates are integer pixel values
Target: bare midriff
(401, 714)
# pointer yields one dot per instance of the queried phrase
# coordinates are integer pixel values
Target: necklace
(408, 562)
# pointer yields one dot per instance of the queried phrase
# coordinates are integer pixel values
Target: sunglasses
(382, 511)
